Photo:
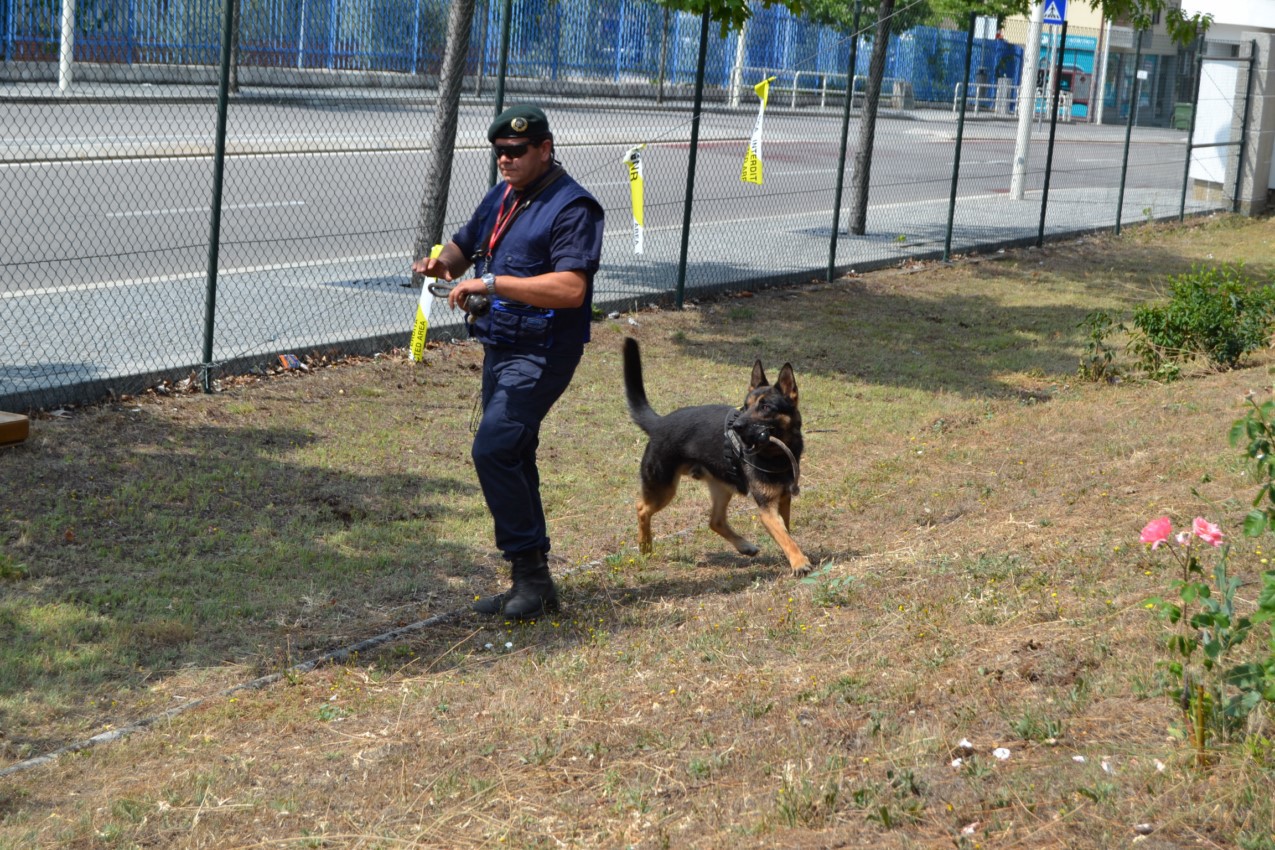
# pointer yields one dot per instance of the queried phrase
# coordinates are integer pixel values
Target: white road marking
(177, 210)
(171, 278)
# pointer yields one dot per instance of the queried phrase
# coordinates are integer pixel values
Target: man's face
(532, 160)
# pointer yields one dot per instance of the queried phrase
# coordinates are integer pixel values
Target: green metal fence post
(502, 69)
(1248, 103)
(1053, 130)
(1128, 133)
(219, 167)
(1190, 133)
(690, 165)
(960, 136)
(845, 135)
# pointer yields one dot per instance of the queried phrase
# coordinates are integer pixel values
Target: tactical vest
(524, 251)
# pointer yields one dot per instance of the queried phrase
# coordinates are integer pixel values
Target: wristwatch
(489, 281)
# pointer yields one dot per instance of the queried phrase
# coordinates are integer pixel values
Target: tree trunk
(237, 11)
(868, 121)
(438, 173)
(482, 50)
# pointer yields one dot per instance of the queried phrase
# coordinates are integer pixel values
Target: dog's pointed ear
(759, 377)
(787, 383)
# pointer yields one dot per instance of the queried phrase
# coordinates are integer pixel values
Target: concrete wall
(1219, 117)
(1257, 178)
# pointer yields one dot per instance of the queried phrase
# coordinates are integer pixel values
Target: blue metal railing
(616, 40)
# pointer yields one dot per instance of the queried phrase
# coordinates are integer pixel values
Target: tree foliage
(731, 14)
(839, 14)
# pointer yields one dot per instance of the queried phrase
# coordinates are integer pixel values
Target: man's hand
(464, 289)
(432, 267)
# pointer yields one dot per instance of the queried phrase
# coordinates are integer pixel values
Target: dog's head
(770, 410)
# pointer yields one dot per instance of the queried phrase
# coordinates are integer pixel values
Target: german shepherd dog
(755, 450)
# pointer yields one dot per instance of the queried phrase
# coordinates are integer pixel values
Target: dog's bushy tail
(634, 389)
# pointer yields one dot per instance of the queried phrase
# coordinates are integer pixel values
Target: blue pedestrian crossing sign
(1055, 11)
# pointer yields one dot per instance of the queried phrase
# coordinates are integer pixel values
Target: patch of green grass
(10, 569)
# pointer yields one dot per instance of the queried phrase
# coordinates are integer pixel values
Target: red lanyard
(503, 220)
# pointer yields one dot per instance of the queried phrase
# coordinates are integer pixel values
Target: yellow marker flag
(751, 172)
(416, 351)
(633, 159)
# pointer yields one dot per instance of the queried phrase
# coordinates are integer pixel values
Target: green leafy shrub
(1217, 313)
(1098, 361)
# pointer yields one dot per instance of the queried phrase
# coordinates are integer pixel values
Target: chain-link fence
(139, 246)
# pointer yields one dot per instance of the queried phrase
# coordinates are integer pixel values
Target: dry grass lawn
(974, 507)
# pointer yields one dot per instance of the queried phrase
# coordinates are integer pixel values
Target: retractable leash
(475, 305)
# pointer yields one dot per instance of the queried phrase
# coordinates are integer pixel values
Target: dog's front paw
(802, 569)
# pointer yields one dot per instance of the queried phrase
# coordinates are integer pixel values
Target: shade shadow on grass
(991, 321)
(175, 546)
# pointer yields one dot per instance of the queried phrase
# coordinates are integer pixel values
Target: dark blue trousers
(518, 390)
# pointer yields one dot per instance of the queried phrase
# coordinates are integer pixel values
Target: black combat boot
(531, 594)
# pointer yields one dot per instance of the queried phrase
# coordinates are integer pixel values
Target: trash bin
(1182, 116)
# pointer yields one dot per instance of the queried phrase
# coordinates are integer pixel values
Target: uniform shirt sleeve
(576, 238)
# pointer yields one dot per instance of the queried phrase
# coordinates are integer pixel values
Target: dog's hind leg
(655, 498)
(721, 493)
(775, 518)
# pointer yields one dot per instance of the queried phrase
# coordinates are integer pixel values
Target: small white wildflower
(1001, 753)
(1078, 759)
(957, 762)
(509, 644)
(1159, 766)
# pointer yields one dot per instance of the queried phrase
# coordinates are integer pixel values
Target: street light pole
(1026, 103)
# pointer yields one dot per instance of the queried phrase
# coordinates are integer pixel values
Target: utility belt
(513, 323)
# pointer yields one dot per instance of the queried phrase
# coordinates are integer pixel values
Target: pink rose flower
(1207, 531)
(1157, 531)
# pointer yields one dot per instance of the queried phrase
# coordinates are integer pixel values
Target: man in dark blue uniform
(535, 243)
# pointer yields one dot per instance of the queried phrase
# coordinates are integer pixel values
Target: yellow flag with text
(752, 171)
(633, 159)
(416, 350)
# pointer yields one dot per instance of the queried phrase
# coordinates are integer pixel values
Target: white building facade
(1242, 35)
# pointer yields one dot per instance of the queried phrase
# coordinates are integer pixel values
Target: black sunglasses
(511, 151)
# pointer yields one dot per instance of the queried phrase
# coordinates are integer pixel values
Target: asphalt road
(125, 203)
(104, 252)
